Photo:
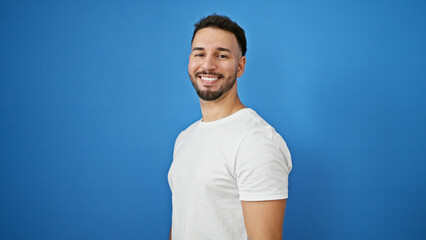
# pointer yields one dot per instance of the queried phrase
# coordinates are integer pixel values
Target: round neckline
(223, 120)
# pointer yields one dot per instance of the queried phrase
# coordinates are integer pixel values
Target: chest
(203, 164)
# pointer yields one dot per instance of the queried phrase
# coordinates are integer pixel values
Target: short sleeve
(262, 166)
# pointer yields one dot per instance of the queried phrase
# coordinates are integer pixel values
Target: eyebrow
(223, 49)
(219, 49)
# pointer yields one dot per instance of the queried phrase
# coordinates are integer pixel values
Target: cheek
(230, 69)
(192, 67)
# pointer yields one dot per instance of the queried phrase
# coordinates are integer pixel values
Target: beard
(209, 95)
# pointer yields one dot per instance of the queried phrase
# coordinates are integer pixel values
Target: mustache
(197, 74)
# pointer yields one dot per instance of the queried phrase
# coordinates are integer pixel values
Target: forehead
(215, 38)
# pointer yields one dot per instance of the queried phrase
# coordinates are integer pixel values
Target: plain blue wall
(93, 95)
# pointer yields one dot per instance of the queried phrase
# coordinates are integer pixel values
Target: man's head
(217, 57)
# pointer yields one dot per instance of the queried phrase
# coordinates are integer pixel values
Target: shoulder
(262, 165)
(261, 144)
(262, 138)
(186, 131)
(259, 129)
(245, 122)
(253, 120)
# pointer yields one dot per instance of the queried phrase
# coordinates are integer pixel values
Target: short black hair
(224, 23)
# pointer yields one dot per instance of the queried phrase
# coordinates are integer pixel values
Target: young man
(229, 175)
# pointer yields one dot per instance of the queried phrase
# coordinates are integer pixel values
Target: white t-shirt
(218, 164)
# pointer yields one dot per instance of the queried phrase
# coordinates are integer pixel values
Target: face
(215, 63)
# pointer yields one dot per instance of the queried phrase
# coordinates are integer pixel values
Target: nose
(208, 63)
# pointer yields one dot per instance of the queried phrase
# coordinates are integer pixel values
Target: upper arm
(264, 219)
(262, 166)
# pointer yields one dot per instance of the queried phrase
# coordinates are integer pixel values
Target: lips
(208, 78)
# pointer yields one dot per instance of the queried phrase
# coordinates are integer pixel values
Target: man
(230, 169)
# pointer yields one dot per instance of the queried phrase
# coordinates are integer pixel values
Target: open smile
(208, 78)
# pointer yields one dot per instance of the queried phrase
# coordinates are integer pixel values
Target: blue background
(93, 95)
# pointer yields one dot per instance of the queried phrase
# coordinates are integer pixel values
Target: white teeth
(209, 79)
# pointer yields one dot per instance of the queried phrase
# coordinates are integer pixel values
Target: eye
(198, 55)
(222, 56)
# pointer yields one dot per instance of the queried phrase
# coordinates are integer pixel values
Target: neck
(226, 105)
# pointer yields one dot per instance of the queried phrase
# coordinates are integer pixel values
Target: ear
(241, 66)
